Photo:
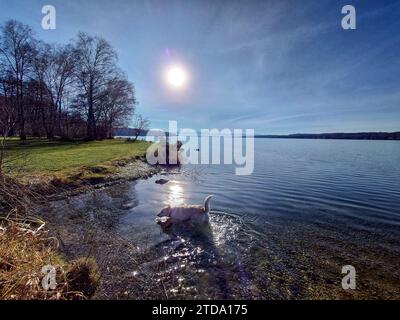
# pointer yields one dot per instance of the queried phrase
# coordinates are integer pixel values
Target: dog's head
(165, 212)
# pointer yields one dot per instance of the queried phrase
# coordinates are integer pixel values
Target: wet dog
(193, 213)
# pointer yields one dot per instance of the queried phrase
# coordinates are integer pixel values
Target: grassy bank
(44, 157)
(43, 162)
(34, 171)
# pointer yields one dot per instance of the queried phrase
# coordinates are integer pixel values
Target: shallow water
(284, 232)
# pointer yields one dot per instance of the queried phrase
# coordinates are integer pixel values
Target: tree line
(73, 90)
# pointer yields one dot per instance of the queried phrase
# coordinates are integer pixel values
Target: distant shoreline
(338, 136)
(127, 132)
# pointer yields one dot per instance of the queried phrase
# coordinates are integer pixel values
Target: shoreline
(81, 237)
(90, 178)
(54, 172)
(77, 242)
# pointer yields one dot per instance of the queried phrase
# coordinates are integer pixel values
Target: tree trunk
(91, 121)
(21, 119)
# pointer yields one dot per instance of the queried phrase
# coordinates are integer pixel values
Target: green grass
(49, 157)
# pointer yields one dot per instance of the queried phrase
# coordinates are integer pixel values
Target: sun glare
(176, 193)
(176, 77)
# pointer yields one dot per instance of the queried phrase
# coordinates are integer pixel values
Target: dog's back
(193, 213)
(184, 213)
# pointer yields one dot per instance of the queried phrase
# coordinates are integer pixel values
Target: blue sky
(276, 66)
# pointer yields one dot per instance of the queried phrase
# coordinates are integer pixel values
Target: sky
(277, 66)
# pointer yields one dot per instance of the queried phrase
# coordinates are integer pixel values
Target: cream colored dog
(193, 213)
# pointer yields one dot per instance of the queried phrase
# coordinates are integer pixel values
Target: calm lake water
(284, 232)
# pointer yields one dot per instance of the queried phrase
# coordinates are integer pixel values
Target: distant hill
(340, 135)
(127, 132)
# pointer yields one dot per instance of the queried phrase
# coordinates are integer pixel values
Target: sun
(176, 76)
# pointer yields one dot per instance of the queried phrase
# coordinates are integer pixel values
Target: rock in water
(161, 181)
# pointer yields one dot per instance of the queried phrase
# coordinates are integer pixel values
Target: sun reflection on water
(176, 193)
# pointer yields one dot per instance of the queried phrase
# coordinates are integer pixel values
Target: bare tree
(55, 89)
(16, 44)
(57, 77)
(118, 105)
(8, 117)
(38, 94)
(140, 125)
(95, 64)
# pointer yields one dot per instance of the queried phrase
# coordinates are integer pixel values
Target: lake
(285, 232)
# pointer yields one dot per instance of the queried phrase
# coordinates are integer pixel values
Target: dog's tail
(207, 203)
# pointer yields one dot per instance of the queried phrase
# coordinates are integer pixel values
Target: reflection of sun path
(175, 194)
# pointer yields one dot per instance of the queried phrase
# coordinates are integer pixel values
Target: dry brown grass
(26, 247)
(82, 278)
(16, 197)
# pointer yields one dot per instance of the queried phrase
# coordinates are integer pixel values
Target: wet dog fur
(189, 213)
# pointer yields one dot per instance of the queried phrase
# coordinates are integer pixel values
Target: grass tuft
(83, 277)
(25, 248)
